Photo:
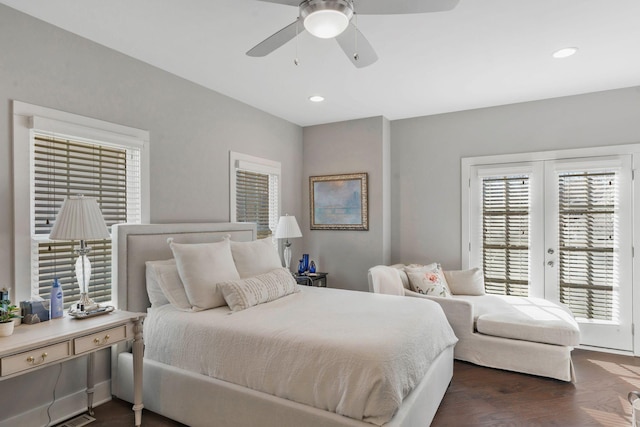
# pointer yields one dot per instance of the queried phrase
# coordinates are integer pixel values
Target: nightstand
(312, 279)
(32, 347)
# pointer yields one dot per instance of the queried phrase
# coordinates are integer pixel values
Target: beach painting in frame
(339, 202)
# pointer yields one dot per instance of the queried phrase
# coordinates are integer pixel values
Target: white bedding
(353, 353)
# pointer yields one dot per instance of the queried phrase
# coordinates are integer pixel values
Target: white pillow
(428, 280)
(385, 280)
(245, 293)
(201, 267)
(465, 282)
(255, 257)
(168, 279)
(156, 295)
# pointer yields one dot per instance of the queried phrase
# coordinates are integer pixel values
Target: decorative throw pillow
(245, 293)
(155, 293)
(255, 257)
(201, 267)
(429, 280)
(465, 282)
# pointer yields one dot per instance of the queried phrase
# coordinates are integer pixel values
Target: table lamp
(287, 229)
(80, 219)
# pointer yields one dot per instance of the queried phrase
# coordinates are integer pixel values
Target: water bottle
(57, 300)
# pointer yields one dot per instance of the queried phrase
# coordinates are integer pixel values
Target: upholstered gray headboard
(134, 244)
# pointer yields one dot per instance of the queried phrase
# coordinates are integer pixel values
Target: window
(68, 155)
(505, 234)
(588, 230)
(254, 190)
(65, 167)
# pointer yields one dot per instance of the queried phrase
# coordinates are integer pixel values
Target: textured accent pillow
(201, 267)
(465, 282)
(255, 257)
(245, 293)
(429, 280)
(155, 293)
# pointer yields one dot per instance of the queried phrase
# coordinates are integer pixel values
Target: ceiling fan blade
(399, 7)
(276, 40)
(295, 3)
(357, 47)
(390, 7)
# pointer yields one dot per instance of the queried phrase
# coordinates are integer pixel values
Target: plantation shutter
(256, 197)
(505, 234)
(64, 167)
(588, 204)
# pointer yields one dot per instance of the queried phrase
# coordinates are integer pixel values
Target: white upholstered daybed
(301, 360)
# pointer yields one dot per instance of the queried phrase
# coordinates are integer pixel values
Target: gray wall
(341, 148)
(192, 130)
(426, 153)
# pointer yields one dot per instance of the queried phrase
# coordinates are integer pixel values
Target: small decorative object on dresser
(7, 315)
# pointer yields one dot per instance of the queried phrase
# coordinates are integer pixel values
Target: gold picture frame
(339, 202)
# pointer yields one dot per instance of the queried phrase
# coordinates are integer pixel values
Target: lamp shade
(288, 228)
(79, 219)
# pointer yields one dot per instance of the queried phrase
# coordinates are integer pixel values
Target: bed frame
(198, 400)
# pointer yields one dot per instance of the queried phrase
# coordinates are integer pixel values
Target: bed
(227, 388)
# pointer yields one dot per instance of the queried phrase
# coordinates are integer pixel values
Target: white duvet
(354, 353)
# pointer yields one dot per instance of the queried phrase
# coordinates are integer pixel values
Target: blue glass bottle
(305, 261)
(301, 268)
(312, 267)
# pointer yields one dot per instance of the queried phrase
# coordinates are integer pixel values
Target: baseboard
(605, 350)
(62, 409)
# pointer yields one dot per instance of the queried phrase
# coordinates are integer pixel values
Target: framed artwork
(339, 202)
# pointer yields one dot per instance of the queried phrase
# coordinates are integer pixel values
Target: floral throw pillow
(429, 281)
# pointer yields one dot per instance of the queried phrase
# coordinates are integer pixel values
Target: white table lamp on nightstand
(287, 229)
(80, 219)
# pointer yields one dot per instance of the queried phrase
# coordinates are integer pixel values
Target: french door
(560, 230)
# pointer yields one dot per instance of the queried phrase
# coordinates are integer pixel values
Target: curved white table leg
(138, 348)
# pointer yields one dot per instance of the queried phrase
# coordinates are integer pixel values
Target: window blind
(505, 234)
(256, 200)
(588, 203)
(64, 167)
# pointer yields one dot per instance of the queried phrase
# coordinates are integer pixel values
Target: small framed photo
(339, 202)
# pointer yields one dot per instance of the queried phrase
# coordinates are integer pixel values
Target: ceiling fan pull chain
(355, 55)
(295, 60)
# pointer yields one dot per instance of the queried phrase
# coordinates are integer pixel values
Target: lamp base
(85, 304)
(287, 255)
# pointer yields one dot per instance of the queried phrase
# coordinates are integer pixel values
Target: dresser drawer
(99, 339)
(35, 358)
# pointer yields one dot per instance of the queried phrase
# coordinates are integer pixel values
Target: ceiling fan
(333, 19)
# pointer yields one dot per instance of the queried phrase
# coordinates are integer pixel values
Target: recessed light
(565, 52)
(316, 98)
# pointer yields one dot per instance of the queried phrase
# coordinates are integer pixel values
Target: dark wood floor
(489, 397)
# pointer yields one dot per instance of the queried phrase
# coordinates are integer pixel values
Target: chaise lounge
(521, 334)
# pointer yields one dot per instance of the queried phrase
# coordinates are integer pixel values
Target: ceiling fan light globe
(326, 24)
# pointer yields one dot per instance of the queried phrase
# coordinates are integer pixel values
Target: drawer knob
(99, 341)
(32, 360)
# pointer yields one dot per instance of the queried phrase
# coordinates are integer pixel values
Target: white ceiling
(482, 53)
